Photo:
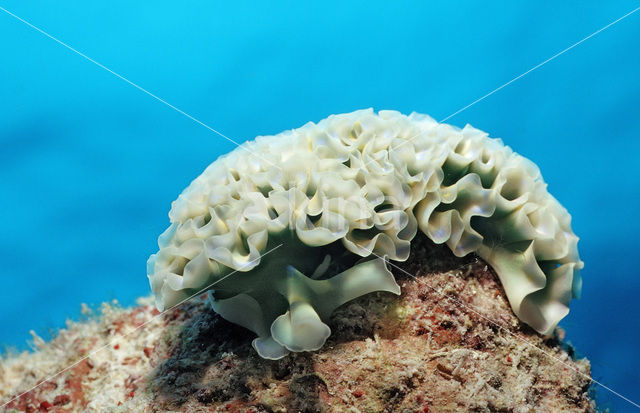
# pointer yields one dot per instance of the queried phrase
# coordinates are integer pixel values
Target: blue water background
(89, 164)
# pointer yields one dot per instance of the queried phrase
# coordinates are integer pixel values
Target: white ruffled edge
(372, 180)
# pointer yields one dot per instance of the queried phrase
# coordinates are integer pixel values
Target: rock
(449, 343)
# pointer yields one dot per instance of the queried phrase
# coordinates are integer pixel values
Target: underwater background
(89, 165)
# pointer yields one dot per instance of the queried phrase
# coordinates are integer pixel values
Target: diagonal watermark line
(237, 144)
(136, 86)
(541, 64)
(518, 77)
(135, 329)
(506, 330)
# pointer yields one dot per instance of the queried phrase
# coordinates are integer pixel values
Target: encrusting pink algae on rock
(449, 343)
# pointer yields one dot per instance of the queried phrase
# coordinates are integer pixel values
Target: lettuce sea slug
(288, 227)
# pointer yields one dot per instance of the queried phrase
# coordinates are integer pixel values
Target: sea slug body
(355, 188)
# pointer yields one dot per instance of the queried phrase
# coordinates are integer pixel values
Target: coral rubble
(450, 342)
